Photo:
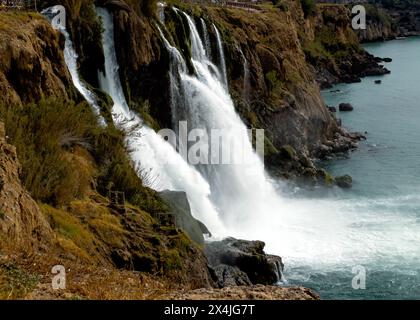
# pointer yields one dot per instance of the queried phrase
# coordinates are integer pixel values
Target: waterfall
(70, 58)
(161, 11)
(221, 55)
(246, 84)
(155, 157)
(206, 38)
(239, 190)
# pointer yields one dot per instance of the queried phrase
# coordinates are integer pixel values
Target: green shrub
(308, 7)
(62, 151)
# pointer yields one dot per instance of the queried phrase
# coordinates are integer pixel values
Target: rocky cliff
(31, 60)
(332, 47)
(21, 221)
(387, 20)
(277, 91)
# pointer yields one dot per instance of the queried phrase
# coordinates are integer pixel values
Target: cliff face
(390, 19)
(31, 60)
(332, 48)
(21, 222)
(277, 92)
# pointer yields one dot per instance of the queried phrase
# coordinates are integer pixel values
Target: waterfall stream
(221, 55)
(70, 58)
(164, 167)
(239, 189)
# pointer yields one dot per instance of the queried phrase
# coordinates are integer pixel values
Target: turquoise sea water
(380, 216)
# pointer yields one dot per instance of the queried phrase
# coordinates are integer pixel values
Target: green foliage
(172, 260)
(308, 7)
(378, 15)
(275, 85)
(63, 151)
(41, 133)
(15, 283)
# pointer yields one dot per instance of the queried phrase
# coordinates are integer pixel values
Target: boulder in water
(345, 181)
(378, 81)
(345, 107)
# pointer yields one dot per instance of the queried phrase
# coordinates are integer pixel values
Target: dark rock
(387, 60)
(378, 81)
(180, 208)
(345, 181)
(230, 276)
(245, 256)
(345, 107)
(332, 109)
(325, 178)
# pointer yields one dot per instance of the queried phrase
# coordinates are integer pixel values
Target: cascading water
(246, 85)
(155, 157)
(70, 58)
(239, 190)
(221, 55)
(206, 38)
(312, 235)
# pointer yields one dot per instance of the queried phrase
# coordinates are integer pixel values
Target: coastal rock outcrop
(242, 262)
(331, 46)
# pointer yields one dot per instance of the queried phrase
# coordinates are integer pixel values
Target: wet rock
(180, 208)
(378, 81)
(344, 182)
(228, 276)
(345, 107)
(232, 258)
(332, 109)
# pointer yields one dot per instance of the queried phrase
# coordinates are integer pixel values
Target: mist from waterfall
(239, 190)
(158, 162)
